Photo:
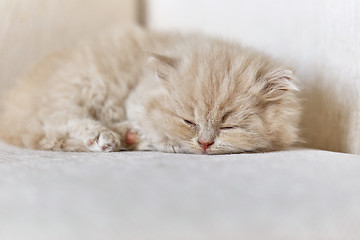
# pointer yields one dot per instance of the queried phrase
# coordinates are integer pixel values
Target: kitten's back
(114, 57)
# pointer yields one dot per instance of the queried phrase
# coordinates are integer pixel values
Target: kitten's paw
(103, 141)
(129, 136)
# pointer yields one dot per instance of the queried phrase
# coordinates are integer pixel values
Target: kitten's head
(220, 98)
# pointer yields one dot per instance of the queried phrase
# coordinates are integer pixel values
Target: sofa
(294, 194)
(300, 193)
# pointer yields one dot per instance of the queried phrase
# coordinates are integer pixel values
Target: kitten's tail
(18, 125)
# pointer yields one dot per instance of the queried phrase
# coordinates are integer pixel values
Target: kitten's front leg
(80, 135)
(102, 140)
(95, 136)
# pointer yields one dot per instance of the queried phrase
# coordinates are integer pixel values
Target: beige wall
(30, 28)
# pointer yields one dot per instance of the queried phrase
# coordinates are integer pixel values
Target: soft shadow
(325, 122)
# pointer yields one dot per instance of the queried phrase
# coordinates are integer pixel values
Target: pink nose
(205, 145)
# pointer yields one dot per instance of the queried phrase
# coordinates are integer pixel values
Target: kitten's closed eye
(226, 128)
(189, 123)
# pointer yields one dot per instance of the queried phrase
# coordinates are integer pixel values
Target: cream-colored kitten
(177, 93)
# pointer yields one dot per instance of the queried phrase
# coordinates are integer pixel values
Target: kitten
(143, 90)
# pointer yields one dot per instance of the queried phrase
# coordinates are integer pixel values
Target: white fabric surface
(296, 194)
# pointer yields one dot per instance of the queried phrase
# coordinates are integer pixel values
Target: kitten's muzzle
(205, 145)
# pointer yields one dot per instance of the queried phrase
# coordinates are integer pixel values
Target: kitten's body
(201, 95)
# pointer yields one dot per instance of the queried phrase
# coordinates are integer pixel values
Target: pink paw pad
(130, 138)
(105, 147)
(91, 142)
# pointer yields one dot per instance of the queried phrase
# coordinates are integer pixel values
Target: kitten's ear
(279, 81)
(163, 65)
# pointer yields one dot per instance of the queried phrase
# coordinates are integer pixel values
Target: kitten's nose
(205, 145)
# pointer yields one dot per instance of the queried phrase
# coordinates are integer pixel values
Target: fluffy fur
(177, 93)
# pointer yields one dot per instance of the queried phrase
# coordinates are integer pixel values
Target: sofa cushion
(295, 194)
